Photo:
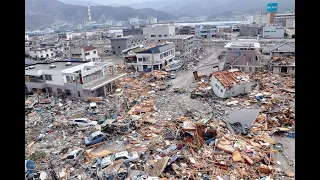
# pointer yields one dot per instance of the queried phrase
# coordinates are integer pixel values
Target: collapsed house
(283, 65)
(230, 83)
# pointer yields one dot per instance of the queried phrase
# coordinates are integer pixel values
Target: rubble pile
(283, 60)
(147, 136)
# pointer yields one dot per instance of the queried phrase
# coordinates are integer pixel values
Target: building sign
(74, 59)
(272, 7)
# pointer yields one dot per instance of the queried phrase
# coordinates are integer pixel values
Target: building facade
(154, 58)
(227, 84)
(187, 30)
(76, 79)
(283, 18)
(273, 32)
(157, 32)
(44, 52)
(205, 31)
(183, 43)
(87, 53)
(121, 43)
(243, 54)
(132, 32)
(250, 30)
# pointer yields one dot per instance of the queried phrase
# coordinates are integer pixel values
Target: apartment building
(183, 43)
(155, 57)
(119, 44)
(86, 53)
(206, 31)
(157, 32)
(80, 79)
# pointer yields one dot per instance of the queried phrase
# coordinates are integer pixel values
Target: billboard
(272, 7)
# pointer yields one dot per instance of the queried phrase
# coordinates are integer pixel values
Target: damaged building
(226, 84)
(243, 54)
(155, 57)
(79, 80)
(86, 53)
(283, 65)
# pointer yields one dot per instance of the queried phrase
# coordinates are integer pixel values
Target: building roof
(179, 37)
(283, 61)
(231, 77)
(89, 48)
(283, 47)
(158, 49)
(127, 37)
(60, 65)
(243, 44)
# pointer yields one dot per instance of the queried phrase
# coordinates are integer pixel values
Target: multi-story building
(77, 79)
(132, 32)
(155, 57)
(86, 53)
(183, 43)
(157, 32)
(187, 30)
(250, 30)
(282, 18)
(243, 54)
(205, 31)
(273, 31)
(290, 23)
(44, 52)
(265, 18)
(121, 43)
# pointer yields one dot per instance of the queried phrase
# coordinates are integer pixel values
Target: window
(171, 51)
(59, 91)
(79, 93)
(94, 52)
(48, 77)
(51, 54)
(165, 35)
(161, 56)
(293, 68)
(49, 90)
(139, 59)
(42, 56)
(221, 90)
(87, 54)
(250, 69)
(68, 92)
(153, 35)
(160, 35)
(118, 47)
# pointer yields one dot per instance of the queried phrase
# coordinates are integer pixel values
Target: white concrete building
(157, 32)
(273, 32)
(262, 19)
(226, 84)
(155, 57)
(205, 31)
(87, 53)
(183, 43)
(152, 20)
(77, 79)
(290, 23)
(44, 52)
(283, 18)
(291, 32)
(26, 37)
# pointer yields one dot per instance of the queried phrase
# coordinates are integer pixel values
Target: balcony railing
(37, 80)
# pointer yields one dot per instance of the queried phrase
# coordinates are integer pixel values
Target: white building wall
(42, 53)
(273, 32)
(290, 23)
(92, 55)
(154, 33)
(56, 77)
(262, 19)
(235, 90)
